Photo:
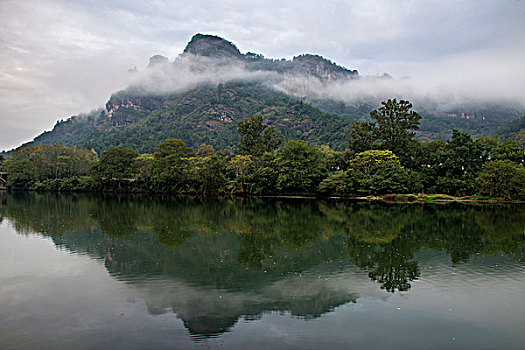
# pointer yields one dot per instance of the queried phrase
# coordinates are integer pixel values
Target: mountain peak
(157, 60)
(211, 46)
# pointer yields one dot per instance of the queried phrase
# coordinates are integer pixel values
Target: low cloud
(189, 71)
(460, 81)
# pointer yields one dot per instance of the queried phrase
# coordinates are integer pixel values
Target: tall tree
(171, 164)
(361, 138)
(257, 138)
(392, 124)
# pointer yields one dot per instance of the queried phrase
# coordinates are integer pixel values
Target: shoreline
(391, 198)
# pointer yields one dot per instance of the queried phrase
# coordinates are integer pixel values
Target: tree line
(383, 156)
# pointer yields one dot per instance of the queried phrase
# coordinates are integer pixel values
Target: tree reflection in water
(260, 255)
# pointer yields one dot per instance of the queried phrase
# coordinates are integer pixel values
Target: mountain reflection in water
(215, 261)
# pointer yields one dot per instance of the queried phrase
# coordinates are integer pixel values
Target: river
(135, 272)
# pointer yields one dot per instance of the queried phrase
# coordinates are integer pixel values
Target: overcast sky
(60, 58)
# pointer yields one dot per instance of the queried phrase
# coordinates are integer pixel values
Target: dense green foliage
(115, 165)
(299, 166)
(208, 114)
(257, 138)
(30, 165)
(391, 125)
(461, 166)
(502, 178)
(205, 114)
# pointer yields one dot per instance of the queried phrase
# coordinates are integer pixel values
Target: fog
(462, 81)
(184, 73)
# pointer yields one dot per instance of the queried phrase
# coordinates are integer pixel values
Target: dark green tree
(509, 150)
(451, 167)
(171, 165)
(257, 138)
(502, 179)
(22, 173)
(361, 138)
(115, 166)
(300, 167)
(336, 183)
(377, 172)
(264, 179)
(457, 164)
(172, 149)
(208, 174)
(392, 124)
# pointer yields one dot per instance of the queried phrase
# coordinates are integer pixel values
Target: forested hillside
(204, 115)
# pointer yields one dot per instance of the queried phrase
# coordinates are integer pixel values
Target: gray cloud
(59, 58)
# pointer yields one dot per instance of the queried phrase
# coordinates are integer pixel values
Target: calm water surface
(137, 272)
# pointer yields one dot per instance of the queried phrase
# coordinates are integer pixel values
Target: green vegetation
(460, 167)
(300, 167)
(257, 138)
(391, 125)
(512, 128)
(503, 179)
(32, 165)
(206, 114)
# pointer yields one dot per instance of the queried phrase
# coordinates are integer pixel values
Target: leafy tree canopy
(503, 179)
(361, 138)
(115, 164)
(257, 138)
(300, 167)
(392, 124)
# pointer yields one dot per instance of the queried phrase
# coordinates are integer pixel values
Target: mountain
(202, 95)
(206, 114)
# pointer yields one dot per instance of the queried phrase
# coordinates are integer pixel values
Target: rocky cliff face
(125, 110)
(211, 46)
(157, 60)
(321, 68)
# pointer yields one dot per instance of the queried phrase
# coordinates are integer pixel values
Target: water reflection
(213, 262)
